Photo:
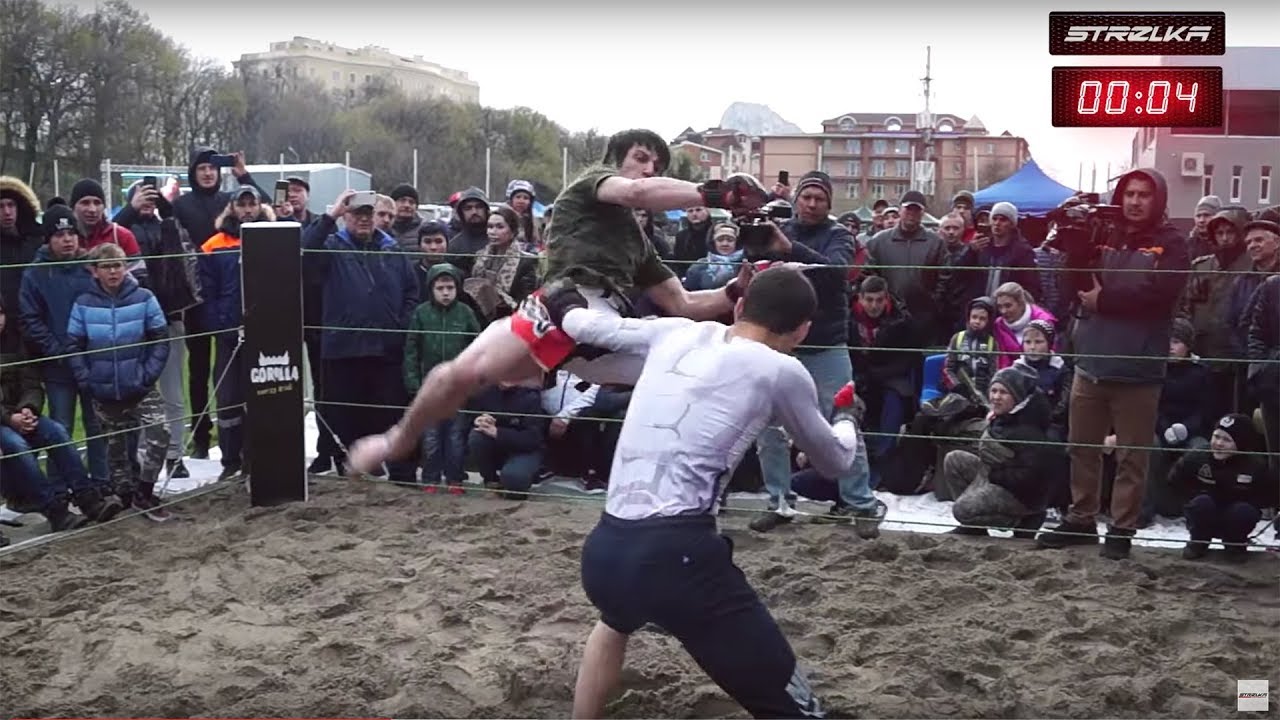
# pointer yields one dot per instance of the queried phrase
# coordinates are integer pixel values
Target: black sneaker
(98, 507)
(1028, 526)
(61, 519)
(4, 540)
(1067, 533)
(768, 521)
(1117, 544)
(176, 469)
(969, 531)
(1195, 550)
(228, 472)
(321, 465)
(200, 450)
(838, 515)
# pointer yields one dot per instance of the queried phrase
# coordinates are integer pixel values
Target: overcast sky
(666, 65)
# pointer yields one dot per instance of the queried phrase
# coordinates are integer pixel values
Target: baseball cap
(245, 190)
(296, 180)
(913, 197)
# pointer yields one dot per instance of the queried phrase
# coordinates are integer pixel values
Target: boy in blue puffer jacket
(107, 324)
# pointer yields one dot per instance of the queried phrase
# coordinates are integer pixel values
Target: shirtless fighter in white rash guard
(704, 395)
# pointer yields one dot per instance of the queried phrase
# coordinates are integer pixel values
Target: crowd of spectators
(114, 312)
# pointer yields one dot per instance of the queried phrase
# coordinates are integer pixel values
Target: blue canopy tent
(1029, 189)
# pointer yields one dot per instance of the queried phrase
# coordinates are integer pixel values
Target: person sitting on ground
(1182, 423)
(574, 446)
(1229, 489)
(440, 329)
(509, 436)
(971, 354)
(1017, 309)
(721, 263)
(119, 329)
(1002, 484)
(23, 433)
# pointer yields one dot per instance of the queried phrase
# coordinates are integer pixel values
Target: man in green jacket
(441, 328)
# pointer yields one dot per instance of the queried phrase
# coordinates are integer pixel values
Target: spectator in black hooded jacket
(20, 237)
(1264, 355)
(197, 212)
(692, 240)
(1126, 315)
(472, 214)
(1228, 489)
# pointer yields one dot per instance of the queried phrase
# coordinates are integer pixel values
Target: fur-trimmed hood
(28, 204)
(227, 222)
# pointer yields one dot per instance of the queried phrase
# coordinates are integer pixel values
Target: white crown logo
(265, 360)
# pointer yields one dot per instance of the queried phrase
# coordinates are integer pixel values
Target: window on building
(877, 168)
(368, 78)
(352, 79)
(1237, 182)
(1208, 180)
(877, 190)
(704, 157)
(855, 168)
(847, 123)
(957, 167)
(901, 147)
(893, 124)
(853, 147)
(902, 168)
(336, 76)
(1253, 112)
(1264, 184)
(946, 126)
(991, 148)
(880, 147)
(851, 190)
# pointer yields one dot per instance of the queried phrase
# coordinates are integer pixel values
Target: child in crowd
(721, 263)
(1053, 374)
(1228, 489)
(1181, 423)
(439, 330)
(971, 354)
(121, 326)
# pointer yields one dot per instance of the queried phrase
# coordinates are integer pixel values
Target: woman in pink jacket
(1016, 310)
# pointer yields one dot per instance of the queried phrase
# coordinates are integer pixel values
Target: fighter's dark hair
(780, 300)
(622, 142)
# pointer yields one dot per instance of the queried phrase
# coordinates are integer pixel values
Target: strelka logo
(1137, 33)
(1252, 695)
(273, 369)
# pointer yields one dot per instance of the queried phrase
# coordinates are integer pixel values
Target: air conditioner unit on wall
(1192, 164)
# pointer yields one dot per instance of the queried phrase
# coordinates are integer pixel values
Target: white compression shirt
(701, 401)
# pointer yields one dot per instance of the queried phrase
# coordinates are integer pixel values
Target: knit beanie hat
(815, 178)
(1211, 203)
(1183, 331)
(404, 190)
(523, 186)
(1045, 327)
(57, 218)
(1240, 428)
(87, 187)
(1019, 382)
(1005, 209)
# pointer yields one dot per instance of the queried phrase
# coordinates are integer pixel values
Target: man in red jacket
(89, 203)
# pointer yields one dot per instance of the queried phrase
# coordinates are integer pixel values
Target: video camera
(754, 232)
(1082, 225)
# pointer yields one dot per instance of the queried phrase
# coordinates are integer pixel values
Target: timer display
(1137, 96)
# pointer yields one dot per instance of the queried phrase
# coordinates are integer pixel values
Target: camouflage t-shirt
(596, 243)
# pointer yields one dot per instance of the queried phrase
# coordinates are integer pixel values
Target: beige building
(345, 70)
(875, 155)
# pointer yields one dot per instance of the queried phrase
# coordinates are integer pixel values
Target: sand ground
(372, 600)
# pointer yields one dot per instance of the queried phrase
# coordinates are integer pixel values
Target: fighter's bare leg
(600, 671)
(494, 356)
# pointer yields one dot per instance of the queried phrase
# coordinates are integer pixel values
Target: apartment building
(345, 70)
(1236, 161)
(877, 155)
(718, 151)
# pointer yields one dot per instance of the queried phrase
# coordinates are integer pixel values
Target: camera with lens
(1082, 225)
(754, 232)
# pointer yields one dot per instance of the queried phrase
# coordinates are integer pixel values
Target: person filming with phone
(1121, 334)
(999, 248)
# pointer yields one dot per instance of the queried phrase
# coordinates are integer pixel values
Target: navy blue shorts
(678, 573)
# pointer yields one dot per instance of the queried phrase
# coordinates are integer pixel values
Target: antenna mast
(928, 116)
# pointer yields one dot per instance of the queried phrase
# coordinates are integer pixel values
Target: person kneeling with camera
(1122, 340)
